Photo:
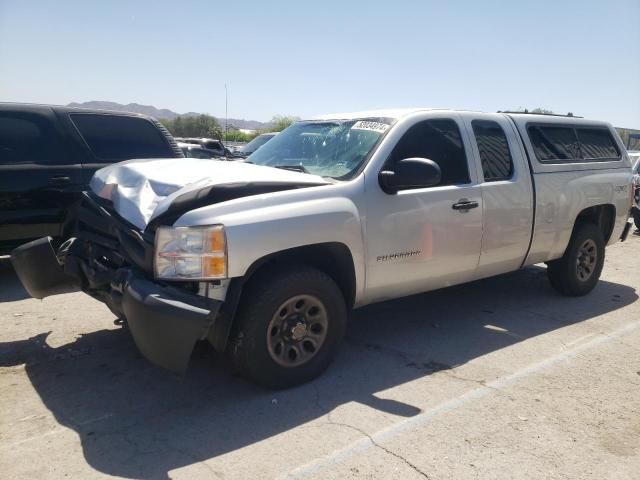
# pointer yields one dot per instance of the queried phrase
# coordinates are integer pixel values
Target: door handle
(464, 205)
(60, 179)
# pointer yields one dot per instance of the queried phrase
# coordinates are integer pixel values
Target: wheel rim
(586, 260)
(297, 331)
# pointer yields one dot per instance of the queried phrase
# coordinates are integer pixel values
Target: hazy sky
(308, 57)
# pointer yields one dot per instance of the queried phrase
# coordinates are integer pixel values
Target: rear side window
(493, 146)
(553, 143)
(112, 138)
(561, 143)
(597, 144)
(28, 138)
(438, 140)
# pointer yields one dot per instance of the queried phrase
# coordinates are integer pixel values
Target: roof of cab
(384, 113)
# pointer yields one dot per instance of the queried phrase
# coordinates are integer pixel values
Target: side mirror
(410, 173)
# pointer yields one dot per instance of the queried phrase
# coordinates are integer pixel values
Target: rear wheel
(289, 326)
(579, 269)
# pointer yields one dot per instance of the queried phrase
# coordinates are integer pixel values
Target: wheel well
(604, 216)
(332, 258)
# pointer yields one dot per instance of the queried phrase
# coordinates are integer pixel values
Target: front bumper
(165, 321)
(39, 271)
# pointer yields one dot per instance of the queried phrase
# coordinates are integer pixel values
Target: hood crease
(162, 189)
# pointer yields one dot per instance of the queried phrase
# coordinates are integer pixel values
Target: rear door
(507, 195)
(38, 179)
(114, 138)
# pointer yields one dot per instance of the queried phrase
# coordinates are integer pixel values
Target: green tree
(238, 136)
(280, 122)
(194, 126)
(542, 110)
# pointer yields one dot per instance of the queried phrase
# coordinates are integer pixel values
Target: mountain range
(161, 112)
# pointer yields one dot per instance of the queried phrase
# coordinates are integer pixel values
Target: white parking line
(393, 431)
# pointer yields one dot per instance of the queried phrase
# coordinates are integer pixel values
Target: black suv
(48, 154)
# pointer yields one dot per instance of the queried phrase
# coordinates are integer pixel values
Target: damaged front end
(112, 261)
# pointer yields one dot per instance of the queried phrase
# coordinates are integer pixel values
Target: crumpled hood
(141, 190)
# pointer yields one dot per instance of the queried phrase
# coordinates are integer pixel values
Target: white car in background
(246, 150)
(191, 150)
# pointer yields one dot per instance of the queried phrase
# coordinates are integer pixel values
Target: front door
(425, 238)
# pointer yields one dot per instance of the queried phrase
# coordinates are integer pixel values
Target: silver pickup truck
(265, 257)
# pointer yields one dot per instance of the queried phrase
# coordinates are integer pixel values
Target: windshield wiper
(295, 168)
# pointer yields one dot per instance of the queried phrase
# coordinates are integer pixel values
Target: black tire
(249, 349)
(567, 275)
(636, 217)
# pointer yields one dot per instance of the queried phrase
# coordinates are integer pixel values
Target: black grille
(111, 241)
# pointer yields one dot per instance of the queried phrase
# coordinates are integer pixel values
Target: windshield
(257, 142)
(329, 148)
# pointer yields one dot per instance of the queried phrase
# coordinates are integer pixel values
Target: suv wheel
(289, 326)
(579, 269)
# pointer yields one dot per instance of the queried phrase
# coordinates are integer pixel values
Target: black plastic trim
(534, 192)
(39, 271)
(625, 231)
(221, 329)
(166, 322)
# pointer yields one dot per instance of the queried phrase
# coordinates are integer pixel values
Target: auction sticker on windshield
(371, 126)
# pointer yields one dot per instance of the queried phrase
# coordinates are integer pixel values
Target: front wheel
(579, 269)
(289, 326)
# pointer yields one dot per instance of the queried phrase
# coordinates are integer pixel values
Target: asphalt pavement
(498, 379)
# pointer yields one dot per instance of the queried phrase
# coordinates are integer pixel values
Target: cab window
(493, 146)
(438, 140)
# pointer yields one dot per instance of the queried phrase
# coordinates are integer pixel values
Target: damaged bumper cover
(165, 321)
